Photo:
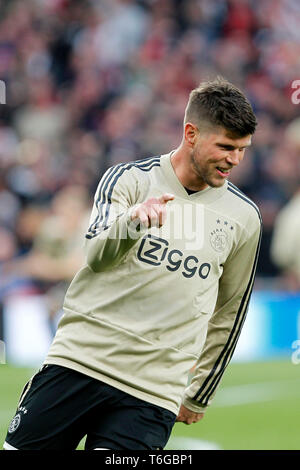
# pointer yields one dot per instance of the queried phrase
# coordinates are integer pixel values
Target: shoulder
(247, 211)
(135, 167)
(127, 172)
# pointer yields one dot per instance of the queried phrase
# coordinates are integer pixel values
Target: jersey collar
(208, 194)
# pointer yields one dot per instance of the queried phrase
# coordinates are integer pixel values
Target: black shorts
(59, 406)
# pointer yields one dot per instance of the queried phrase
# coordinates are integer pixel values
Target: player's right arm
(118, 220)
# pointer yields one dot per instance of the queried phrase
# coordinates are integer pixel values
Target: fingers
(187, 420)
(143, 217)
(187, 416)
(147, 216)
(152, 213)
(166, 198)
(161, 216)
(162, 209)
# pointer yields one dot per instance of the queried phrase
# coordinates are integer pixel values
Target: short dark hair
(219, 103)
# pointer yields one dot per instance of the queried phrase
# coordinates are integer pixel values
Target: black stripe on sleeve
(214, 377)
(231, 343)
(107, 187)
(233, 189)
(104, 184)
(106, 177)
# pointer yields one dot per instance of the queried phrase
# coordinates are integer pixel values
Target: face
(214, 154)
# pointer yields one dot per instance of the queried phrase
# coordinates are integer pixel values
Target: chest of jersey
(194, 242)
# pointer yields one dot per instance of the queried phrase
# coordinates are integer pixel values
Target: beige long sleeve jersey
(149, 305)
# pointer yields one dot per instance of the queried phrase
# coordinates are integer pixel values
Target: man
(285, 245)
(171, 254)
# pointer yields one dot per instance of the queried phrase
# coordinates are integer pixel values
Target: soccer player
(171, 254)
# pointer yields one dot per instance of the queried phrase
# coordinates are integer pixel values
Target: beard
(206, 173)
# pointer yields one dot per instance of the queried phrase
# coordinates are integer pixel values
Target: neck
(183, 166)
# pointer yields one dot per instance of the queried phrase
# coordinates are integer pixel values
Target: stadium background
(93, 83)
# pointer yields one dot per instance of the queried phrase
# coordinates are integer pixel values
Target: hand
(152, 213)
(187, 416)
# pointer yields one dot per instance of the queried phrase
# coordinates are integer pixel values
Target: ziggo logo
(154, 250)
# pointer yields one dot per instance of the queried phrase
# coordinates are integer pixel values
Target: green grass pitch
(257, 406)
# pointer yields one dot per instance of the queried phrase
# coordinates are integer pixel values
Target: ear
(190, 134)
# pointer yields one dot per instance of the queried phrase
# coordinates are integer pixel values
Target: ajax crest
(14, 423)
(219, 240)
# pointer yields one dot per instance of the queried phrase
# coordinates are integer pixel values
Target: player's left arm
(235, 288)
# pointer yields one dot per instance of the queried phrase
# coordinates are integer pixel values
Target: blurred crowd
(93, 83)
